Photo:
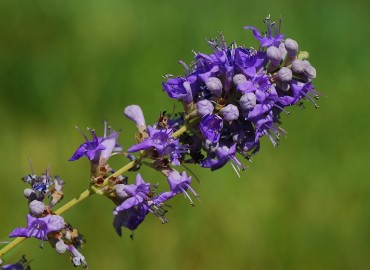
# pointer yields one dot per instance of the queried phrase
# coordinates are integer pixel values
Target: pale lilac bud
(230, 112)
(61, 247)
(298, 66)
(238, 79)
(36, 207)
(120, 192)
(134, 113)
(29, 194)
(56, 223)
(274, 55)
(292, 47)
(285, 74)
(248, 101)
(214, 85)
(309, 70)
(283, 51)
(204, 107)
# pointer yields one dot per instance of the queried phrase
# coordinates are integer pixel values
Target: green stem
(86, 194)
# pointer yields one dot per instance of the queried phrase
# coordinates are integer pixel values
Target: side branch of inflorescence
(87, 193)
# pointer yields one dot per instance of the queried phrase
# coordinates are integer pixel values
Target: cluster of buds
(43, 223)
(238, 93)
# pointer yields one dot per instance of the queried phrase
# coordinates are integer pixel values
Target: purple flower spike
(39, 227)
(211, 126)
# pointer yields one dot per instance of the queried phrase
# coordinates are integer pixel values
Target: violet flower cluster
(231, 98)
(238, 94)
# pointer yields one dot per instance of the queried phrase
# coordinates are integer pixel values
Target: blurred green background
(302, 205)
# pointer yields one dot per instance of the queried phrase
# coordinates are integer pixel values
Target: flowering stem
(88, 192)
(84, 195)
(11, 245)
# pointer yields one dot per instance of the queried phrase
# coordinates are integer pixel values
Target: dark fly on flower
(162, 120)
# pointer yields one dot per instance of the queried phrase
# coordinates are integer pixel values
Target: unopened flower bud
(60, 247)
(309, 70)
(274, 55)
(56, 223)
(292, 47)
(285, 74)
(230, 112)
(204, 107)
(29, 194)
(298, 66)
(248, 101)
(283, 51)
(36, 207)
(214, 85)
(238, 79)
(134, 113)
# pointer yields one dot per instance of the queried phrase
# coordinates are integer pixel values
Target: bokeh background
(302, 205)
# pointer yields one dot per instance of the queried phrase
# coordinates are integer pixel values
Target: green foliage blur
(302, 205)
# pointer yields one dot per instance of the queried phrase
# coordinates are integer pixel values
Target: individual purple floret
(130, 218)
(179, 88)
(211, 126)
(272, 38)
(179, 183)
(91, 148)
(98, 149)
(137, 194)
(158, 139)
(139, 202)
(39, 227)
(224, 154)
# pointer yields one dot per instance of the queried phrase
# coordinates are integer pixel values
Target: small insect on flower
(162, 120)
